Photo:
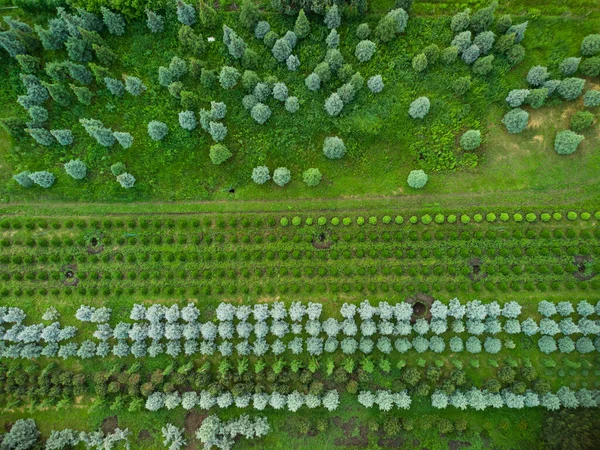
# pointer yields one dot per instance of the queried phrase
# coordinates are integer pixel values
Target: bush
(312, 176)
(461, 85)
(281, 176)
(187, 120)
(470, 55)
(483, 66)
(281, 49)
(590, 45)
(470, 140)
(23, 435)
(217, 131)
(261, 174)
(419, 108)
(591, 99)
(537, 97)
(570, 88)
(313, 82)
(334, 148)
(126, 180)
(333, 18)
(260, 113)
(76, 169)
(334, 104)
(375, 84)
(566, 142)
(219, 154)
(229, 77)
(292, 105)
(581, 121)
(449, 55)
(157, 130)
(293, 63)
(363, 31)
(117, 169)
(333, 39)
(537, 75)
(43, 178)
(517, 97)
(590, 67)
(417, 179)
(365, 50)
(569, 66)
(419, 62)
(516, 120)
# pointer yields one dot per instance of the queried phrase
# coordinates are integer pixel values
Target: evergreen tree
(333, 39)
(207, 15)
(23, 179)
(89, 21)
(14, 126)
(78, 49)
(83, 94)
(312, 177)
(125, 139)
(333, 18)
(28, 63)
(126, 180)
(157, 130)
(100, 72)
(76, 169)
(64, 137)
(38, 115)
(115, 23)
(249, 15)
(302, 25)
(114, 86)
(186, 14)
(155, 22)
(79, 73)
(134, 85)
(104, 54)
(44, 179)
(41, 136)
(219, 154)
(190, 41)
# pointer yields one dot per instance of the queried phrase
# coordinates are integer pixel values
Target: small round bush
(260, 113)
(296, 221)
(566, 142)
(537, 75)
(76, 169)
(591, 99)
(284, 222)
(518, 217)
(545, 217)
(490, 217)
(478, 218)
(261, 174)
(417, 179)
(322, 221)
(504, 217)
(386, 219)
(347, 221)
(157, 130)
(465, 219)
(312, 176)
(219, 154)
(586, 216)
(363, 31)
(531, 217)
(419, 108)
(126, 180)
(334, 148)
(557, 216)
(426, 219)
(281, 176)
(365, 50)
(335, 221)
(590, 45)
(334, 104)
(399, 220)
(360, 220)
(581, 121)
(572, 215)
(470, 140)
(439, 218)
(373, 220)
(570, 88)
(292, 105)
(261, 29)
(452, 218)
(516, 120)
(375, 84)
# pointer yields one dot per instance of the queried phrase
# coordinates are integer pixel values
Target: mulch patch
(580, 274)
(457, 445)
(144, 435)
(192, 422)
(110, 424)
(348, 428)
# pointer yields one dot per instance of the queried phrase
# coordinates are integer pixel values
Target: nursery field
(299, 224)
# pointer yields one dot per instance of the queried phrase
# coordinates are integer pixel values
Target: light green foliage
(155, 22)
(581, 121)
(219, 154)
(229, 77)
(333, 18)
(334, 104)
(190, 41)
(449, 55)
(364, 50)
(260, 113)
(261, 174)
(590, 67)
(134, 85)
(302, 25)
(313, 82)
(157, 130)
(566, 142)
(249, 15)
(292, 104)
(363, 31)
(537, 97)
(483, 66)
(461, 85)
(516, 120)
(419, 62)
(461, 21)
(537, 75)
(419, 108)
(281, 176)
(483, 18)
(76, 169)
(375, 84)
(417, 179)
(126, 180)
(334, 148)
(312, 176)
(432, 52)
(470, 140)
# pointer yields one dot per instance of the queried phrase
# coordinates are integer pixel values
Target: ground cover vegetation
(227, 93)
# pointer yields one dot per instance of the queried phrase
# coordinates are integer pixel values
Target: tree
(249, 15)
(590, 67)
(580, 121)
(537, 97)
(157, 130)
(43, 179)
(261, 29)
(483, 66)
(155, 22)
(516, 120)
(334, 148)
(59, 93)
(483, 19)
(186, 14)
(23, 435)
(312, 176)
(23, 179)
(281, 176)
(566, 142)
(334, 104)
(590, 45)
(173, 437)
(537, 75)
(470, 140)
(461, 85)
(569, 66)
(217, 131)
(417, 179)
(229, 77)
(333, 18)
(126, 180)
(293, 63)
(331, 400)
(281, 49)
(462, 41)
(485, 41)
(573, 429)
(280, 92)
(419, 62)
(41, 136)
(470, 55)
(261, 174)
(114, 86)
(76, 169)
(38, 114)
(260, 113)
(219, 154)
(302, 25)
(591, 99)
(114, 22)
(125, 139)
(571, 88)
(364, 50)
(313, 82)
(449, 55)
(292, 105)
(187, 120)
(419, 108)
(270, 39)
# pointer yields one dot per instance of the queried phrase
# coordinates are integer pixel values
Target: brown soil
(70, 272)
(580, 274)
(419, 302)
(144, 435)
(95, 249)
(391, 443)
(110, 424)
(322, 241)
(476, 273)
(192, 422)
(457, 445)
(348, 427)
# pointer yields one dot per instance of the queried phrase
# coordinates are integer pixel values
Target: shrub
(292, 105)
(155, 22)
(591, 99)
(483, 66)
(187, 120)
(117, 169)
(460, 21)
(537, 75)
(590, 45)
(219, 154)
(570, 88)
(281, 50)
(157, 130)
(23, 179)
(517, 97)
(293, 63)
(516, 120)
(302, 25)
(76, 169)
(260, 113)
(333, 18)
(537, 97)
(229, 77)
(419, 62)
(313, 82)
(312, 176)
(261, 174)
(114, 22)
(261, 29)
(581, 121)
(375, 84)
(217, 131)
(334, 148)
(417, 179)
(363, 31)
(333, 39)
(461, 85)
(470, 140)
(449, 55)
(281, 176)
(23, 435)
(419, 108)
(43, 178)
(280, 92)
(334, 104)
(64, 137)
(365, 50)
(470, 55)
(126, 180)
(566, 142)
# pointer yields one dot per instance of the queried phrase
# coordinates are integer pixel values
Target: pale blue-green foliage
(419, 108)
(547, 344)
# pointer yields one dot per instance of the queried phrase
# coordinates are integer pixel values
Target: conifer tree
(333, 19)
(44, 179)
(115, 23)
(125, 139)
(249, 15)
(64, 137)
(41, 136)
(79, 73)
(76, 169)
(59, 93)
(134, 85)
(186, 14)
(302, 25)
(28, 63)
(24, 179)
(155, 22)
(104, 54)
(100, 72)
(114, 86)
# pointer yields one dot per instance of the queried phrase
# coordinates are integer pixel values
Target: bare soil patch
(192, 422)
(110, 424)
(349, 428)
(582, 273)
(421, 304)
(144, 435)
